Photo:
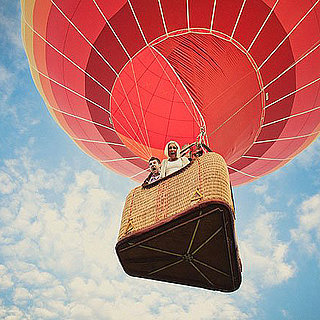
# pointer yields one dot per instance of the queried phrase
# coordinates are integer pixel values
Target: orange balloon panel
(123, 78)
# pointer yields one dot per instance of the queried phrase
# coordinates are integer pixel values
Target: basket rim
(198, 205)
(192, 161)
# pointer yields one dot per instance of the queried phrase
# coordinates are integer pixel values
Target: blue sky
(60, 213)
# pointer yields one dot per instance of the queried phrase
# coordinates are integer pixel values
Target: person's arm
(163, 168)
(185, 161)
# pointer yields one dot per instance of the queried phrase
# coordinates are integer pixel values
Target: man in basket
(154, 166)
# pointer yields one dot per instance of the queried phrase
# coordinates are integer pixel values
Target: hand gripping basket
(181, 229)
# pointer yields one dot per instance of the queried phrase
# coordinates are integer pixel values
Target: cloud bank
(58, 230)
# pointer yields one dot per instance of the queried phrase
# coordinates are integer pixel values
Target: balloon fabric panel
(124, 77)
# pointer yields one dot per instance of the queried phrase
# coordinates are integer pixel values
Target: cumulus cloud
(310, 156)
(6, 183)
(307, 234)
(58, 230)
(11, 28)
(5, 278)
(21, 296)
(261, 189)
(7, 83)
(264, 253)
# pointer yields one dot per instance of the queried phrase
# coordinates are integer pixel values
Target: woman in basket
(174, 162)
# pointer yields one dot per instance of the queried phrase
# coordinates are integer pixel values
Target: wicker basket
(165, 223)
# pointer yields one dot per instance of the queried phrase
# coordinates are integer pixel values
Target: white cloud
(6, 183)
(60, 259)
(307, 234)
(11, 29)
(5, 278)
(61, 264)
(264, 254)
(13, 78)
(21, 296)
(42, 313)
(7, 84)
(261, 189)
(12, 313)
(310, 156)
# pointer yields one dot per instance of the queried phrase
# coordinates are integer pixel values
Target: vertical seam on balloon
(166, 134)
(90, 121)
(125, 130)
(81, 118)
(67, 58)
(266, 159)
(213, 14)
(293, 92)
(84, 37)
(244, 173)
(131, 108)
(138, 173)
(114, 33)
(160, 77)
(85, 98)
(99, 142)
(288, 35)
(161, 55)
(180, 81)
(143, 144)
(141, 31)
(222, 93)
(140, 104)
(67, 88)
(262, 26)
(259, 78)
(192, 114)
(294, 64)
(235, 113)
(162, 16)
(188, 18)
(289, 117)
(119, 159)
(102, 57)
(287, 138)
(130, 60)
(153, 48)
(137, 21)
(276, 79)
(238, 18)
(84, 73)
(63, 64)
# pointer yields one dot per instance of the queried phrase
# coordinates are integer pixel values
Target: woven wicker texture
(205, 179)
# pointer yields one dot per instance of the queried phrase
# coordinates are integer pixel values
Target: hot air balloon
(123, 77)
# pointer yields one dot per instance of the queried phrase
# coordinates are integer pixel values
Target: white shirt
(174, 166)
(169, 167)
(154, 178)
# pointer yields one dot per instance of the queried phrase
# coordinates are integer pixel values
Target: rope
(129, 223)
(162, 201)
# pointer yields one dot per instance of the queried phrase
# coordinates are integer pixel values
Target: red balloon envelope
(124, 77)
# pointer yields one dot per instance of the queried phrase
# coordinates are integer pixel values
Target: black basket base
(197, 249)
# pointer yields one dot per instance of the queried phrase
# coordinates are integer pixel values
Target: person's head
(154, 165)
(172, 150)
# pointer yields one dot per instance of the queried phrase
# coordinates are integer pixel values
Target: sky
(60, 214)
